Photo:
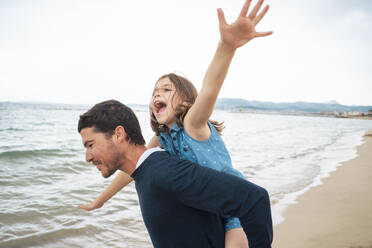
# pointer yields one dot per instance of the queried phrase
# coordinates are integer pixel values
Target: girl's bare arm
(119, 182)
(233, 36)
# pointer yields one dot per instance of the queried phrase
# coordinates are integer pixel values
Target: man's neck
(132, 155)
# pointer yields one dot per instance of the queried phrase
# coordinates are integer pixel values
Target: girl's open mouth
(159, 106)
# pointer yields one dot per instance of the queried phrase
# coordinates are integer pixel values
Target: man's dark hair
(104, 117)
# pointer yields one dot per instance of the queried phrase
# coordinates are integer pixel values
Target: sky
(87, 51)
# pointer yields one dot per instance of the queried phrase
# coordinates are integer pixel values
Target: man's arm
(223, 194)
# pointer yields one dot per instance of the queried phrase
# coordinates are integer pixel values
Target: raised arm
(233, 36)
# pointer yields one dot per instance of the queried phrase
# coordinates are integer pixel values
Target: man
(181, 202)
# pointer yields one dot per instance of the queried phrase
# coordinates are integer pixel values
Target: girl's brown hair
(187, 94)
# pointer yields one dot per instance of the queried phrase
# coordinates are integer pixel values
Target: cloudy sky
(76, 51)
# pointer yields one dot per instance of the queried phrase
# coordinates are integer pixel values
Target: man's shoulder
(160, 162)
(165, 168)
(157, 155)
(161, 156)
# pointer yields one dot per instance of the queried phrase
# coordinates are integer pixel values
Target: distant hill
(232, 103)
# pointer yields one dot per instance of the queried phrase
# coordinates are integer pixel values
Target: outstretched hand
(91, 206)
(244, 28)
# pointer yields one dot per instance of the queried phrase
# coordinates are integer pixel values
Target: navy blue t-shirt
(181, 204)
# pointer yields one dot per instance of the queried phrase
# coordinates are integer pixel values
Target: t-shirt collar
(146, 154)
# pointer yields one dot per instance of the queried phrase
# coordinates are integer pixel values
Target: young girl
(180, 117)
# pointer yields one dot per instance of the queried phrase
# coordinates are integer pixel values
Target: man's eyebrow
(86, 142)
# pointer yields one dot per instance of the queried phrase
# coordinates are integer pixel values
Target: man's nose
(88, 156)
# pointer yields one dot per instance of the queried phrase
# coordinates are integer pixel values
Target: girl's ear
(119, 134)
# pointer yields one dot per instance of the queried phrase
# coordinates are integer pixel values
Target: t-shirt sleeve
(211, 190)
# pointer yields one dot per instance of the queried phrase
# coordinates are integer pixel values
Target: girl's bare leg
(236, 238)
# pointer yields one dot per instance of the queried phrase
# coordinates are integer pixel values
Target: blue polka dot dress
(210, 153)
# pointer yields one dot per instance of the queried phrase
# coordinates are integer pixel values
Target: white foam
(344, 150)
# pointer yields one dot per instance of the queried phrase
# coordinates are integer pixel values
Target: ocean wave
(316, 149)
(11, 129)
(21, 154)
(33, 128)
(62, 168)
(43, 238)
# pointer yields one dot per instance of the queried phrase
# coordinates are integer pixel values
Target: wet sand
(337, 213)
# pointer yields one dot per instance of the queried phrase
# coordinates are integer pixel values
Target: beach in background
(336, 213)
(44, 178)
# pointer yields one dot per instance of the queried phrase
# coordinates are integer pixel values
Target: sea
(43, 175)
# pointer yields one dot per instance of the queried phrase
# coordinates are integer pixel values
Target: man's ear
(119, 134)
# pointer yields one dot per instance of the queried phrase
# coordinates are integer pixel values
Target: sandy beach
(337, 213)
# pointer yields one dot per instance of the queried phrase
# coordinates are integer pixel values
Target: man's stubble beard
(115, 162)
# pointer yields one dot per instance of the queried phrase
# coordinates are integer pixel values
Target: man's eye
(90, 145)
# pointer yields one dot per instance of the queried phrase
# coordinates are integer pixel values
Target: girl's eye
(161, 90)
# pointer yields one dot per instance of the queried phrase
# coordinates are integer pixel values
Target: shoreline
(359, 117)
(299, 113)
(337, 213)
